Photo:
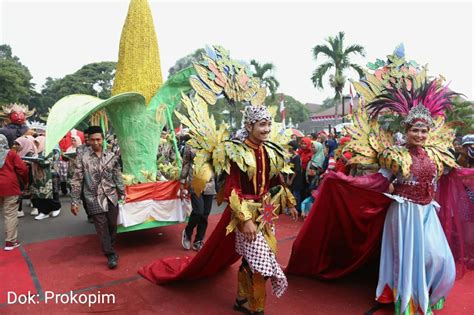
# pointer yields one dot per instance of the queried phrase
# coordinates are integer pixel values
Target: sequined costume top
(420, 186)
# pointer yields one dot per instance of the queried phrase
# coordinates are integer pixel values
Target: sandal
(239, 306)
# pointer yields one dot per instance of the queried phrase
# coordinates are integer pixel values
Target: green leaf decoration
(69, 111)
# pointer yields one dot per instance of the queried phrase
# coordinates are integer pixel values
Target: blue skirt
(417, 268)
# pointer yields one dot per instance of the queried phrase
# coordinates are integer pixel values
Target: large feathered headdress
(417, 105)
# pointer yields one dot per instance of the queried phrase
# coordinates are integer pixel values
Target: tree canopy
(264, 73)
(15, 78)
(293, 108)
(186, 61)
(462, 116)
(92, 79)
(338, 58)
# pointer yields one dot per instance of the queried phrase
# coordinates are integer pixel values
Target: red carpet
(14, 275)
(76, 264)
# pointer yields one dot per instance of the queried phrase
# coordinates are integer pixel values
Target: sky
(56, 38)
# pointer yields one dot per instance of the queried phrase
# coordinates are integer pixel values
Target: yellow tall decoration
(138, 67)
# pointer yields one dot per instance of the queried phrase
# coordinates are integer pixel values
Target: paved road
(65, 225)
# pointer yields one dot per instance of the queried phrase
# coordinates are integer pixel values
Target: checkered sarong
(262, 260)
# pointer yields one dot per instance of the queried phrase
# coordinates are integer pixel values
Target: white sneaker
(41, 216)
(55, 213)
(34, 211)
(20, 214)
(185, 241)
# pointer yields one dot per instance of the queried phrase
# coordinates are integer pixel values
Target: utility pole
(343, 105)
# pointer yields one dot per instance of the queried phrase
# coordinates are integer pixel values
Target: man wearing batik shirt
(98, 174)
(254, 210)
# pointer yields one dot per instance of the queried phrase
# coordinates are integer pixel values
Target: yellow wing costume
(219, 76)
(372, 144)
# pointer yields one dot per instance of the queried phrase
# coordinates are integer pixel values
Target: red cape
(344, 227)
(217, 253)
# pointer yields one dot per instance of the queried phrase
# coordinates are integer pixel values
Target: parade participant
(424, 250)
(25, 147)
(98, 174)
(17, 114)
(466, 156)
(75, 143)
(251, 163)
(45, 183)
(255, 241)
(254, 196)
(296, 180)
(72, 166)
(201, 205)
(466, 207)
(417, 267)
(12, 171)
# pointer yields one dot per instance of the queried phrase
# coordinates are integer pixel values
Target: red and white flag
(352, 99)
(282, 109)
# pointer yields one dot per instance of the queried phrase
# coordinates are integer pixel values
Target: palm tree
(261, 72)
(338, 58)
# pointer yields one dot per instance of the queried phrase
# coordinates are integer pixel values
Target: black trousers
(46, 206)
(201, 208)
(106, 228)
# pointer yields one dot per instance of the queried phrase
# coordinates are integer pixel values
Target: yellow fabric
(251, 286)
(244, 283)
(242, 210)
(259, 294)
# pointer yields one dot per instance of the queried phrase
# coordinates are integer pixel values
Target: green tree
(186, 61)
(462, 115)
(263, 72)
(329, 102)
(15, 78)
(337, 58)
(92, 79)
(293, 108)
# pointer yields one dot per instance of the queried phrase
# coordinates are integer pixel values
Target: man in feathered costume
(252, 163)
(253, 215)
(17, 114)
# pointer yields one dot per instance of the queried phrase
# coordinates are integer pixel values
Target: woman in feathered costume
(417, 268)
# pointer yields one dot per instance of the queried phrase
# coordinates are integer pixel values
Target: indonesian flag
(352, 99)
(282, 109)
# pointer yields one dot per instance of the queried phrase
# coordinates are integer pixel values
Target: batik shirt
(100, 179)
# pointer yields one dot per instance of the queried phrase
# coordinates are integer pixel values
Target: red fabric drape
(457, 209)
(343, 229)
(218, 252)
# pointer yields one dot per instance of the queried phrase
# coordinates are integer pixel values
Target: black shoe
(112, 261)
(198, 245)
(239, 306)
